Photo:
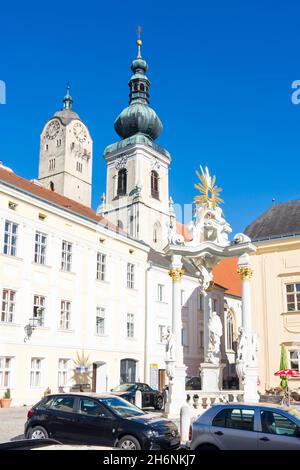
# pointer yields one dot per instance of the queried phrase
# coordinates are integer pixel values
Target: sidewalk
(12, 422)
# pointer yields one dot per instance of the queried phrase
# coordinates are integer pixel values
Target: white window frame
(130, 325)
(215, 305)
(39, 308)
(10, 238)
(5, 371)
(293, 294)
(100, 321)
(160, 292)
(63, 372)
(40, 247)
(101, 266)
(65, 315)
(130, 275)
(8, 306)
(66, 256)
(36, 365)
(229, 330)
(295, 360)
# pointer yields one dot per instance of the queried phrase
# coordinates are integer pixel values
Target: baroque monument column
(174, 349)
(246, 362)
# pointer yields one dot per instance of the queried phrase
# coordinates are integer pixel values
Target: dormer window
(154, 184)
(122, 182)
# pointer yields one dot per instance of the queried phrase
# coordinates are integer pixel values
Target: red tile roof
(225, 273)
(55, 198)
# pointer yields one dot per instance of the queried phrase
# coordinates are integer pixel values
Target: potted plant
(6, 400)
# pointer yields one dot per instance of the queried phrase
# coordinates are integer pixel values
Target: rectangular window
(130, 325)
(184, 337)
(40, 248)
(5, 372)
(160, 292)
(215, 305)
(100, 321)
(10, 238)
(66, 256)
(79, 167)
(52, 164)
(200, 302)
(295, 360)
(65, 315)
(293, 297)
(8, 305)
(63, 368)
(130, 276)
(101, 267)
(36, 372)
(182, 297)
(161, 331)
(39, 309)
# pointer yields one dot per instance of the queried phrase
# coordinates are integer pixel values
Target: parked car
(150, 397)
(46, 444)
(246, 427)
(99, 419)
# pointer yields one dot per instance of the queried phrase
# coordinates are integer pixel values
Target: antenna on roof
(273, 201)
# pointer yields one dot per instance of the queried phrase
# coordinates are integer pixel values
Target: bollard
(138, 399)
(185, 421)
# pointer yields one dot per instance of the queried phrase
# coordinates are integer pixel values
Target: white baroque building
(97, 283)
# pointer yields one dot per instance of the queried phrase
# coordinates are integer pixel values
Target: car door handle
(264, 439)
(219, 433)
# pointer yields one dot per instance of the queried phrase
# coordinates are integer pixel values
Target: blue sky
(220, 72)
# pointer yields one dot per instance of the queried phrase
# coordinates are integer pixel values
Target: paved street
(12, 422)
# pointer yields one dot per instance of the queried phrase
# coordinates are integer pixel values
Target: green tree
(284, 364)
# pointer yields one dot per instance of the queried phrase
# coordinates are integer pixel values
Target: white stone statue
(242, 345)
(170, 345)
(215, 331)
(253, 349)
(241, 238)
(205, 278)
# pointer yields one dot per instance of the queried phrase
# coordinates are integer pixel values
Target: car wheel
(159, 403)
(207, 447)
(38, 432)
(129, 443)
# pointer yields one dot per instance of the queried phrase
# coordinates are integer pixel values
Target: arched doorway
(128, 370)
(99, 378)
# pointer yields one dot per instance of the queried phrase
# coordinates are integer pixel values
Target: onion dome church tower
(66, 151)
(137, 168)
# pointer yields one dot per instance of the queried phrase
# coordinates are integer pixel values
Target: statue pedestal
(177, 394)
(211, 376)
(250, 385)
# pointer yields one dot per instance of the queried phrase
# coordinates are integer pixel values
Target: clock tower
(66, 148)
(137, 187)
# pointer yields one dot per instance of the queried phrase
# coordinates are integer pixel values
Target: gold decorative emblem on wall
(176, 274)
(245, 272)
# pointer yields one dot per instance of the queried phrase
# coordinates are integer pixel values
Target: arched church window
(154, 184)
(142, 87)
(156, 232)
(51, 185)
(122, 182)
(229, 330)
(135, 87)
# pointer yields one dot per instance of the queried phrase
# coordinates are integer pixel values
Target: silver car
(238, 426)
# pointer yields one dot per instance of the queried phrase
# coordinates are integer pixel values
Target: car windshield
(293, 412)
(122, 407)
(125, 388)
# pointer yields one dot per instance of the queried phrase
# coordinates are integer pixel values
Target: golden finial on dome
(210, 192)
(139, 41)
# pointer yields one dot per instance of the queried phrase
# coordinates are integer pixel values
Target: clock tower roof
(66, 115)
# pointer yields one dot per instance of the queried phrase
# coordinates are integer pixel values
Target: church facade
(80, 285)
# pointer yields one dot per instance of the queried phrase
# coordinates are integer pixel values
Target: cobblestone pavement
(12, 422)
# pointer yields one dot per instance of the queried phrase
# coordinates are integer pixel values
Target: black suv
(99, 419)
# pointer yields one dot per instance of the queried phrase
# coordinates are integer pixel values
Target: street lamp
(31, 325)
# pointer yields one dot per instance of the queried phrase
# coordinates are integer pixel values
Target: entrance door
(99, 377)
(161, 379)
(128, 370)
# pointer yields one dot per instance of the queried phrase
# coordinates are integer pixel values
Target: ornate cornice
(176, 274)
(245, 272)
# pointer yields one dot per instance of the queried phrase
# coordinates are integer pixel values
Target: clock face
(79, 132)
(52, 130)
